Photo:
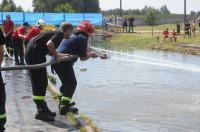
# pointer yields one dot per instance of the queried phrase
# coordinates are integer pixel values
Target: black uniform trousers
(2, 103)
(38, 77)
(9, 44)
(66, 74)
(18, 49)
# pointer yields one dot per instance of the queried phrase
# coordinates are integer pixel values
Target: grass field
(145, 40)
(135, 40)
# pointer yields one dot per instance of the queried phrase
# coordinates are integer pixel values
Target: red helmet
(86, 26)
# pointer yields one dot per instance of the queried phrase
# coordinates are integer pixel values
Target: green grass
(90, 123)
(52, 79)
(71, 116)
(128, 41)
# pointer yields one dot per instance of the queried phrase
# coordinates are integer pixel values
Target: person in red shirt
(34, 31)
(166, 34)
(8, 27)
(174, 35)
(18, 36)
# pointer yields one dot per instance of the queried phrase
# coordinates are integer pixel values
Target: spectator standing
(193, 27)
(193, 22)
(8, 27)
(105, 23)
(187, 29)
(112, 25)
(125, 24)
(131, 20)
(198, 21)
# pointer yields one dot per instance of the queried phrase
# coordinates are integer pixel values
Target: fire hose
(48, 63)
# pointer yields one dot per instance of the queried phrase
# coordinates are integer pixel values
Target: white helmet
(40, 22)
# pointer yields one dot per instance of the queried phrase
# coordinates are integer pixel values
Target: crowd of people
(62, 42)
(125, 23)
(17, 39)
(189, 31)
(191, 28)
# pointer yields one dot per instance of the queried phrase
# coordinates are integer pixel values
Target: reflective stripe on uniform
(3, 116)
(11, 49)
(65, 98)
(38, 97)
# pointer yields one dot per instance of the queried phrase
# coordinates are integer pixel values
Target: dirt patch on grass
(171, 47)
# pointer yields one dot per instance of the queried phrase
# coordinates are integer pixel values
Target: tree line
(9, 6)
(72, 6)
(163, 11)
(88, 6)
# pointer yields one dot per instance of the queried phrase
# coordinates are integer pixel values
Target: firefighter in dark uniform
(77, 44)
(2, 87)
(36, 52)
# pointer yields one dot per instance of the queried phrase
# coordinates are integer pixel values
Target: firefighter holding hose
(2, 87)
(77, 44)
(36, 51)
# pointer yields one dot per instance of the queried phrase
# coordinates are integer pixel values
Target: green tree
(64, 8)
(19, 9)
(151, 18)
(4, 3)
(193, 13)
(164, 10)
(77, 5)
(41, 5)
(9, 6)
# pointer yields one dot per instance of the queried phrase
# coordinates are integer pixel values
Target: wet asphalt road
(21, 109)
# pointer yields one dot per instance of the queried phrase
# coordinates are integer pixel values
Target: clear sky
(175, 6)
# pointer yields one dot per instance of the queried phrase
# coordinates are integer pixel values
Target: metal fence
(52, 18)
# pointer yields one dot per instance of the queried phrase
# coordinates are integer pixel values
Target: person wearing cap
(34, 31)
(2, 87)
(77, 44)
(17, 37)
(8, 28)
(36, 51)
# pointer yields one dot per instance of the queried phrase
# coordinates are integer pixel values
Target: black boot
(22, 60)
(2, 129)
(42, 112)
(65, 107)
(21, 63)
(48, 110)
(44, 116)
(17, 62)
